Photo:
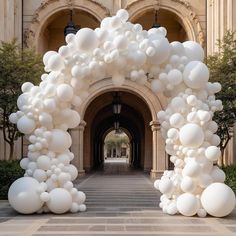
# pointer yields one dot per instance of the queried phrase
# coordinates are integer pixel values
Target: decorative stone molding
(98, 87)
(155, 125)
(181, 8)
(49, 7)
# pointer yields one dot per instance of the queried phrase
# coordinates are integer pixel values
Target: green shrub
(230, 172)
(9, 172)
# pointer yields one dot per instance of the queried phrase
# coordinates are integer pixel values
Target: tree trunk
(11, 151)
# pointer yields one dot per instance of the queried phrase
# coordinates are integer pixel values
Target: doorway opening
(116, 114)
(117, 147)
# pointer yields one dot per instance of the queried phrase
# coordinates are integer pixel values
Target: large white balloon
(218, 200)
(191, 135)
(60, 201)
(86, 39)
(23, 195)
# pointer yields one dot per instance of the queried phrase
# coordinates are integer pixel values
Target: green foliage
(116, 140)
(16, 67)
(230, 172)
(10, 171)
(222, 67)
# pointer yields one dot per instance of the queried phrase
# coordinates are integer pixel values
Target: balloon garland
(122, 50)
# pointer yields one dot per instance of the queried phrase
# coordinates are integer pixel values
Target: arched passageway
(134, 117)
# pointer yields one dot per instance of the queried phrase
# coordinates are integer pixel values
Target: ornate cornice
(68, 3)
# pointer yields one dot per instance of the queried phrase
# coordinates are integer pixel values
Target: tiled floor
(120, 201)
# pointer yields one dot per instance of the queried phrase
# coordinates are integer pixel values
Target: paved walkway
(120, 202)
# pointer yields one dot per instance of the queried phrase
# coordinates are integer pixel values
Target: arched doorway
(134, 117)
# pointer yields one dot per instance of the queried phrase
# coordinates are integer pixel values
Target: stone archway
(153, 104)
(182, 9)
(50, 8)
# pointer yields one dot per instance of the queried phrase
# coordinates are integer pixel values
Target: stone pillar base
(81, 173)
(155, 174)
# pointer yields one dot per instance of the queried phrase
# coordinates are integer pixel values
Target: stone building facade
(41, 23)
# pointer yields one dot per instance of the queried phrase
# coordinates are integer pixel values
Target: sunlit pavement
(120, 201)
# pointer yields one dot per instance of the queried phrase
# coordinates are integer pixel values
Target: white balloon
(192, 100)
(162, 47)
(193, 51)
(80, 197)
(23, 196)
(157, 86)
(123, 14)
(13, 118)
(213, 153)
(196, 74)
(65, 92)
(26, 87)
(204, 180)
(40, 175)
(73, 172)
(26, 125)
(63, 158)
(60, 201)
(192, 169)
(177, 48)
(120, 42)
(86, 39)
(191, 135)
(73, 120)
(48, 55)
(55, 62)
(166, 186)
(188, 184)
(176, 120)
(45, 197)
(45, 119)
(175, 76)
(60, 141)
(218, 200)
(24, 163)
(187, 204)
(44, 162)
(173, 134)
(218, 175)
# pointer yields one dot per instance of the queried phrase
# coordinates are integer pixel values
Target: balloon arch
(122, 50)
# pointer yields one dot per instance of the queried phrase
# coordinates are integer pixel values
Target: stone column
(77, 135)
(158, 160)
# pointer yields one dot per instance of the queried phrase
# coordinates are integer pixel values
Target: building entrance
(117, 128)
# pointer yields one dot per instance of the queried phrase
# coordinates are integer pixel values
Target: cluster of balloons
(121, 50)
